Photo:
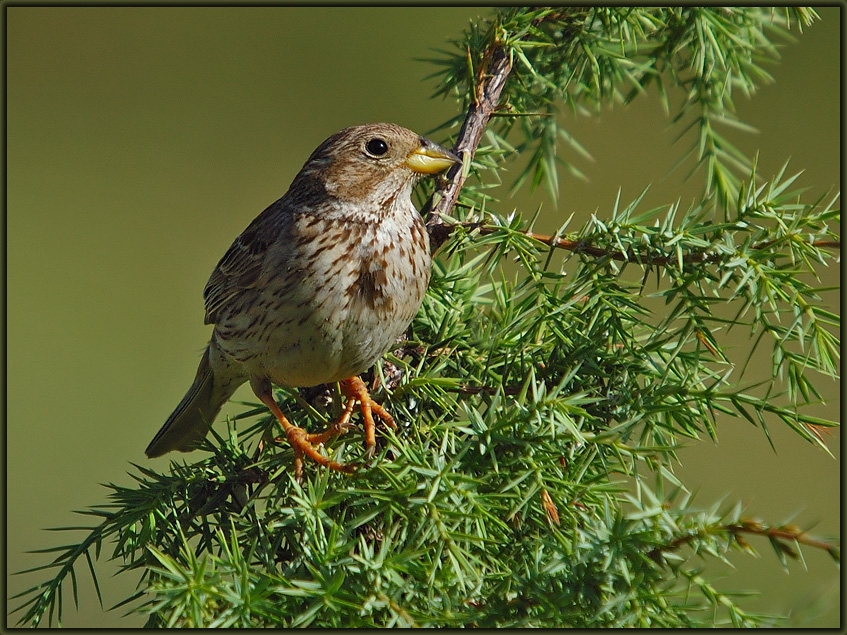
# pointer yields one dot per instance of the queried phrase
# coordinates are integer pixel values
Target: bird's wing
(242, 265)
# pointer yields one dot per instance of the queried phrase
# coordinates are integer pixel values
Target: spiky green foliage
(542, 391)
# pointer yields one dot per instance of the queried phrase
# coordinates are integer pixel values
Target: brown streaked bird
(317, 287)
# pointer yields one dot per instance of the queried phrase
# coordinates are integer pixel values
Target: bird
(317, 288)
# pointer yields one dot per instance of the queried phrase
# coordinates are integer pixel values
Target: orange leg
(303, 443)
(336, 429)
(355, 389)
(300, 440)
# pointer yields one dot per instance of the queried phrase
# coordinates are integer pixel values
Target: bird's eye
(376, 147)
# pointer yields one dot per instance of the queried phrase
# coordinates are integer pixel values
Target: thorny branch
(631, 255)
(490, 81)
(777, 535)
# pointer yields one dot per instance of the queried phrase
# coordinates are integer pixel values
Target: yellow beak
(431, 158)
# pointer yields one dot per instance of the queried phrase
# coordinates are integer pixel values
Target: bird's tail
(189, 424)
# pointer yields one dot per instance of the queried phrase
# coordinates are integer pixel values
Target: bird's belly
(300, 342)
(330, 347)
(337, 320)
(312, 357)
(322, 350)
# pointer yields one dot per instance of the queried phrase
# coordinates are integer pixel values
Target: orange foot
(303, 443)
(354, 389)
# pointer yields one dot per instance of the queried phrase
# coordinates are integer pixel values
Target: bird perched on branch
(317, 287)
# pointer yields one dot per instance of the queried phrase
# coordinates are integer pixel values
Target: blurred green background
(141, 141)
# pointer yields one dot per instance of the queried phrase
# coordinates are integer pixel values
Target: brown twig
(490, 80)
(466, 389)
(783, 533)
(630, 255)
(787, 532)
